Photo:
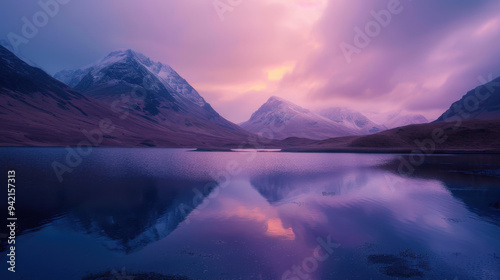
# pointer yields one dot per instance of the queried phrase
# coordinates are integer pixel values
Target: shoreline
(283, 150)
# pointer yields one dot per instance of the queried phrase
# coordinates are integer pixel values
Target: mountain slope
(33, 105)
(352, 119)
(476, 136)
(280, 119)
(481, 103)
(37, 110)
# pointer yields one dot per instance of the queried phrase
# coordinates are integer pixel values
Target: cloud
(429, 54)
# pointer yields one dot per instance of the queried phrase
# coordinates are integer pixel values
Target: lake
(248, 215)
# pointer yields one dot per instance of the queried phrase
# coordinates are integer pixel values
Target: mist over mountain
(350, 118)
(392, 119)
(399, 119)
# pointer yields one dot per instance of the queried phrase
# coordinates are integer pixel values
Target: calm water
(228, 215)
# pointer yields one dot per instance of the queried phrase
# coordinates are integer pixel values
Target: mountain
(481, 103)
(38, 110)
(352, 119)
(129, 62)
(166, 96)
(280, 119)
(399, 119)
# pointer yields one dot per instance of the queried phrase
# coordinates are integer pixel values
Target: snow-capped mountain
(181, 89)
(400, 119)
(481, 103)
(280, 119)
(166, 98)
(352, 119)
(38, 110)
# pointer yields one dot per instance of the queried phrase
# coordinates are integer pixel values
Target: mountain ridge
(279, 118)
(38, 110)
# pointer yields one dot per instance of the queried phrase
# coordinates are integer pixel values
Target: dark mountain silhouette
(481, 103)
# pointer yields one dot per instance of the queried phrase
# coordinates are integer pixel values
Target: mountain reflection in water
(162, 210)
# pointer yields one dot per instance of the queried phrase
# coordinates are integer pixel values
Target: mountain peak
(275, 103)
(128, 63)
(121, 51)
(126, 52)
(275, 98)
(120, 54)
(279, 101)
(129, 68)
(286, 119)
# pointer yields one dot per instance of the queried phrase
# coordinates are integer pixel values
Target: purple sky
(428, 55)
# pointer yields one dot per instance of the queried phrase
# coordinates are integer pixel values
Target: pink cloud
(427, 57)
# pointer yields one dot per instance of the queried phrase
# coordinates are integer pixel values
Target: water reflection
(161, 211)
(133, 213)
(125, 213)
(473, 179)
